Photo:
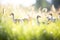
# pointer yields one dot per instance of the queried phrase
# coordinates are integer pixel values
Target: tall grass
(24, 31)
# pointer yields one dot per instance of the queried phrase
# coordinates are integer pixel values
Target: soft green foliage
(23, 31)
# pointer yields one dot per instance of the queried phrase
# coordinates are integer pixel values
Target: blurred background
(29, 19)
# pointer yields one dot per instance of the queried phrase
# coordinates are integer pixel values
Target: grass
(24, 31)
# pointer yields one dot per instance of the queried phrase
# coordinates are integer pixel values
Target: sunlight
(27, 3)
(4, 2)
(24, 3)
(14, 29)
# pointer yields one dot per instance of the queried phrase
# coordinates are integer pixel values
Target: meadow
(28, 31)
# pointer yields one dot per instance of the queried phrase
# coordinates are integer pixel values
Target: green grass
(11, 31)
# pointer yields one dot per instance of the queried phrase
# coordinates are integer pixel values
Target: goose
(18, 20)
(38, 22)
(15, 20)
(51, 18)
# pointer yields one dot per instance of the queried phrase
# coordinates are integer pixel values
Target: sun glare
(24, 3)
(27, 3)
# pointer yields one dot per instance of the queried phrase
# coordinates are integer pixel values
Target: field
(28, 31)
